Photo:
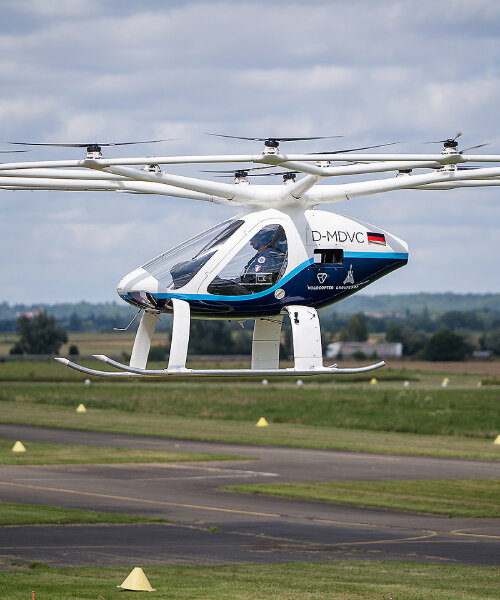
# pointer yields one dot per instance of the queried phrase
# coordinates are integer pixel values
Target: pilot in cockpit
(269, 256)
(248, 273)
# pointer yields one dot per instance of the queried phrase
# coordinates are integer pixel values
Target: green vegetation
(353, 580)
(32, 514)
(493, 380)
(42, 453)
(345, 413)
(462, 412)
(445, 345)
(38, 335)
(51, 371)
(277, 434)
(449, 497)
(474, 320)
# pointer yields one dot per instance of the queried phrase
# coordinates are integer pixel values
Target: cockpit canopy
(258, 265)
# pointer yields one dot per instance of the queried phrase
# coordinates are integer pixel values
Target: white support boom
(180, 335)
(266, 343)
(306, 334)
(143, 337)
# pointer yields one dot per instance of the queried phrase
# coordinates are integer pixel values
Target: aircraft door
(259, 263)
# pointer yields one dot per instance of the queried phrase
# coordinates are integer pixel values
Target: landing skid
(127, 371)
(307, 350)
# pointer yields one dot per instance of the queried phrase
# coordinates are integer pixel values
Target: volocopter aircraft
(282, 256)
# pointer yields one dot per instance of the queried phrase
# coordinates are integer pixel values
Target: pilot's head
(261, 240)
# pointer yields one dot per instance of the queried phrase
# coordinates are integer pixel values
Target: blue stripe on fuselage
(300, 285)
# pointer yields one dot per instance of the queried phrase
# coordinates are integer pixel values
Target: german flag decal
(376, 238)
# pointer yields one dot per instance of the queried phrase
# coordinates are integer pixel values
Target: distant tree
(75, 323)
(456, 319)
(445, 345)
(210, 337)
(286, 344)
(413, 341)
(394, 332)
(242, 341)
(73, 350)
(356, 330)
(39, 335)
(158, 352)
(491, 341)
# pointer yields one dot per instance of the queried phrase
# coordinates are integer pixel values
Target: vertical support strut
(306, 333)
(143, 337)
(266, 343)
(180, 334)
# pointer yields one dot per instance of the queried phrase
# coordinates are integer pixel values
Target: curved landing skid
(128, 371)
(306, 334)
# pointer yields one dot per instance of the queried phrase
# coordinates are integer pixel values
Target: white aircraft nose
(138, 280)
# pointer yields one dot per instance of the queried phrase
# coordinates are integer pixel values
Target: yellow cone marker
(262, 422)
(81, 408)
(373, 380)
(497, 440)
(479, 384)
(18, 447)
(137, 582)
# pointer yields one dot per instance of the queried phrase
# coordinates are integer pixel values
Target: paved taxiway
(210, 525)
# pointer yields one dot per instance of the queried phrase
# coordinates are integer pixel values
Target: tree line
(452, 335)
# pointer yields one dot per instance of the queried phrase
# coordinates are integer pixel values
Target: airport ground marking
(143, 500)
(466, 533)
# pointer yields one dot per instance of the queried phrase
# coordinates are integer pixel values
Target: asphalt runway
(208, 525)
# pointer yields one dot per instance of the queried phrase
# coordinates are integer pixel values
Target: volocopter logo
(322, 277)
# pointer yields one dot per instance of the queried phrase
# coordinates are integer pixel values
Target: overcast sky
(120, 70)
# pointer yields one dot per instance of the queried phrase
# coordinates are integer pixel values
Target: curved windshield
(175, 268)
(256, 267)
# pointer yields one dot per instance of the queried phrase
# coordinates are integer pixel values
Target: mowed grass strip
(449, 497)
(350, 580)
(44, 453)
(12, 513)
(461, 412)
(51, 371)
(241, 432)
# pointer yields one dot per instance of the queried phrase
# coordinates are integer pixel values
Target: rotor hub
(240, 176)
(271, 146)
(152, 168)
(94, 151)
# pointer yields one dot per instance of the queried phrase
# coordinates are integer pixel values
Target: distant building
(482, 353)
(379, 349)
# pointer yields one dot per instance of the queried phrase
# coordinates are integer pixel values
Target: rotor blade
(235, 170)
(474, 147)
(361, 148)
(458, 168)
(85, 145)
(12, 151)
(274, 173)
(264, 174)
(454, 139)
(276, 139)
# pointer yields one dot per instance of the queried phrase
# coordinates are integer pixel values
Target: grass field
(450, 497)
(367, 580)
(339, 413)
(420, 374)
(113, 343)
(12, 513)
(42, 453)
(279, 434)
(469, 412)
